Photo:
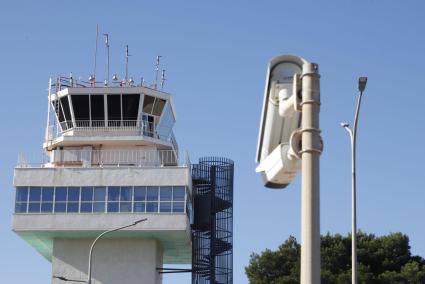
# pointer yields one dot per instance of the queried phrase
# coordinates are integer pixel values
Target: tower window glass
(100, 199)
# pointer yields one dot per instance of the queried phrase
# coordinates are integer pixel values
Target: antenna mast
(49, 101)
(126, 64)
(162, 79)
(95, 55)
(157, 71)
(107, 48)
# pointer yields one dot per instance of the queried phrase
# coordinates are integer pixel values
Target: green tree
(386, 259)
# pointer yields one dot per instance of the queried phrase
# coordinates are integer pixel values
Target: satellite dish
(114, 77)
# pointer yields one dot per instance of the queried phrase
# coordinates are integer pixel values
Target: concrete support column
(310, 192)
(117, 260)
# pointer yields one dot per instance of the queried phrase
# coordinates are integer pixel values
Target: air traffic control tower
(110, 158)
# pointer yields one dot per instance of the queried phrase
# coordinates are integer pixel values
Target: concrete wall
(122, 261)
(99, 222)
(101, 176)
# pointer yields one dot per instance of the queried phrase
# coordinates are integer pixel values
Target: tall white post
(49, 99)
(310, 192)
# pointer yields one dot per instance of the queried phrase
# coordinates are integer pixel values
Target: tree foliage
(385, 259)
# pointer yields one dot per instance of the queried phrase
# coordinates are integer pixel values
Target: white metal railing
(104, 125)
(107, 158)
(112, 128)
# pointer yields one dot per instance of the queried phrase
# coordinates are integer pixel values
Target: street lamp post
(353, 135)
(100, 236)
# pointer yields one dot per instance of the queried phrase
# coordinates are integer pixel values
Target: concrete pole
(310, 192)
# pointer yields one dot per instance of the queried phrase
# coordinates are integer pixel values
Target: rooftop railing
(63, 82)
(106, 158)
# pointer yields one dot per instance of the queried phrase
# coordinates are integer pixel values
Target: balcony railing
(107, 158)
(112, 128)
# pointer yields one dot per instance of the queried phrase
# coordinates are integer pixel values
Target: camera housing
(280, 118)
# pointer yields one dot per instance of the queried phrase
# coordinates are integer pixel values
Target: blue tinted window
(34, 207)
(60, 207)
(47, 194)
(178, 206)
(86, 207)
(73, 194)
(99, 193)
(152, 193)
(165, 207)
(99, 207)
(35, 193)
(60, 194)
(21, 194)
(165, 193)
(46, 207)
(21, 207)
(113, 193)
(178, 193)
(125, 207)
(86, 193)
(139, 193)
(113, 206)
(139, 207)
(126, 193)
(152, 207)
(72, 207)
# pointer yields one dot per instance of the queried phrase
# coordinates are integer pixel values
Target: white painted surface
(178, 176)
(123, 261)
(99, 222)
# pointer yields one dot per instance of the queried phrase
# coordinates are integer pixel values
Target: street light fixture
(353, 135)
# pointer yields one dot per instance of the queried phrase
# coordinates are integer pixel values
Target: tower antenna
(95, 55)
(157, 71)
(107, 49)
(126, 64)
(163, 79)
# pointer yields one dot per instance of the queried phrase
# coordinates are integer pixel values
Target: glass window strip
(67, 202)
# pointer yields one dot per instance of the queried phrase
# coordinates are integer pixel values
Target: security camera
(280, 118)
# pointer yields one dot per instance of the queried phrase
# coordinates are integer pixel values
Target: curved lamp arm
(100, 236)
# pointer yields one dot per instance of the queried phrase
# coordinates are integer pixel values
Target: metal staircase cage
(212, 228)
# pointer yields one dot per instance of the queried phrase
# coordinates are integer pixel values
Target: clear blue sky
(216, 55)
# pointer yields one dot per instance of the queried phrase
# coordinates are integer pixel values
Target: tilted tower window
(114, 109)
(97, 110)
(81, 107)
(130, 106)
(148, 104)
(152, 105)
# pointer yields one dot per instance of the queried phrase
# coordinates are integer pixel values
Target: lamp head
(362, 83)
(139, 221)
(344, 124)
